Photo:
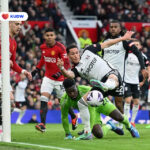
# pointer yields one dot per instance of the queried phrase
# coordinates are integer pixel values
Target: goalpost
(6, 119)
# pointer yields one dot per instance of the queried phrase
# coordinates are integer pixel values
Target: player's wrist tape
(62, 68)
(23, 70)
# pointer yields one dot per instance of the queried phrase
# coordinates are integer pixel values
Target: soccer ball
(95, 98)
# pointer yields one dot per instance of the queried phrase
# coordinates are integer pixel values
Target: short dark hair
(70, 47)
(115, 21)
(68, 83)
(49, 30)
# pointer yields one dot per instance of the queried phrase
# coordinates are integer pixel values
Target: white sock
(111, 84)
(17, 110)
(127, 109)
(120, 125)
(21, 114)
(84, 114)
(134, 112)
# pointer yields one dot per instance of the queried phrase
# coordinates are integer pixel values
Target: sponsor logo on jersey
(52, 53)
(50, 59)
(111, 51)
(91, 65)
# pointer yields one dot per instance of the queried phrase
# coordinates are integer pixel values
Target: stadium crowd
(30, 39)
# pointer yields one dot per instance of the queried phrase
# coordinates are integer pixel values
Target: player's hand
(35, 72)
(11, 63)
(144, 73)
(141, 84)
(57, 75)
(28, 74)
(128, 35)
(60, 63)
(69, 136)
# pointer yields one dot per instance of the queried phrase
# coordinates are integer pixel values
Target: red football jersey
(49, 59)
(12, 50)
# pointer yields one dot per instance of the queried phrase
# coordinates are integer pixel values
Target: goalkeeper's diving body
(74, 97)
(70, 99)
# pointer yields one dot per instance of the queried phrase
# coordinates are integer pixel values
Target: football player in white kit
(91, 66)
(20, 100)
(132, 84)
(116, 55)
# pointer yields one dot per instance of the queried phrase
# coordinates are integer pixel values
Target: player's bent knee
(97, 131)
(44, 98)
(95, 98)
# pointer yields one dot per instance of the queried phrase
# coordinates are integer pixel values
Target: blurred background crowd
(30, 38)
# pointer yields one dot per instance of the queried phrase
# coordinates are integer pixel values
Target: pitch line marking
(43, 146)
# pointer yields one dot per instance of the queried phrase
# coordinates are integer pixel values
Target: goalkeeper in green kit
(70, 99)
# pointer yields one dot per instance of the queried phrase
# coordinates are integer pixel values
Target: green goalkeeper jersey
(66, 102)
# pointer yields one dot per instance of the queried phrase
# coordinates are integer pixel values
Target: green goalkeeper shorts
(106, 108)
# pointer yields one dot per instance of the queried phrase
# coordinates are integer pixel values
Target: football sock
(134, 112)
(43, 111)
(127, 109)
(21, 114)
(72, 114)
(105, 129)
(84, 114)
(126, 122)
(111, 84)
(120, 125)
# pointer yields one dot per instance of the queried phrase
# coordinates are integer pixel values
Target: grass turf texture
(54, 137)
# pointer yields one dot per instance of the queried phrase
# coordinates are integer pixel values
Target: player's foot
(115, 128)
(40, 127)
(19, 122)
(85, 136)
(75, 123)
(81, 132)
(1, 131)
(134, 132)
(147, 127)
(133, 124)
(97, 83)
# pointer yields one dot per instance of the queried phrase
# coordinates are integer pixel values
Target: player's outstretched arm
(109, 43)
(68, 74)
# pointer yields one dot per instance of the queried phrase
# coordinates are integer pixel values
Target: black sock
(0, 112)
(43, 111)
(72, 114)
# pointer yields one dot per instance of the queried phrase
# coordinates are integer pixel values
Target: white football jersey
(132, 69)
(20, 91)
(91, 66)
(115, 55)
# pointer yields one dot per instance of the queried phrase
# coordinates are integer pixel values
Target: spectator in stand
(25, 28)
(84, 40)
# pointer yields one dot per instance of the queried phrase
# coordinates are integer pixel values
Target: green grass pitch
(53, 139)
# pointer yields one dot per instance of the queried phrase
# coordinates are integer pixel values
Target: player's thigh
(47, 86)
(136, 91)
(106, 107)
(59, 89)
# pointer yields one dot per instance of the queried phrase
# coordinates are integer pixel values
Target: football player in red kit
(14, 28)
(53, 79)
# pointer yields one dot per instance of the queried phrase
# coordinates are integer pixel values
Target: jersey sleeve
(64, 113)
(75, 71)
(15, 66)
(95, 48)
(130, 46)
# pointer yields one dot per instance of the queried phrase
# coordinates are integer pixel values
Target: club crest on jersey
(87, 57)
(52, 53)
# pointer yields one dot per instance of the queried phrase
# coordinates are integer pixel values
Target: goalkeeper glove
(35, 72)
(69, 136)
(57, 75)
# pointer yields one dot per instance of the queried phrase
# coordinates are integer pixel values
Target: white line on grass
(43, 146)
